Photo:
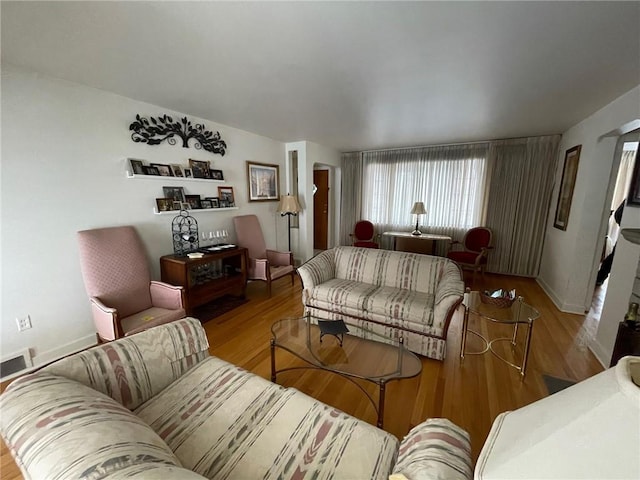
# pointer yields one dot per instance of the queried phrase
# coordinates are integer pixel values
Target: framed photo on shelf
(223, 203)
(174, 193)
(177, 170)
(205, 203)
(164, 204)
(176, 205)
(263, 181)
(200, 168)
(567, 184)
(185, 206)
(193, 201)
(188, 173)
(226, 194)
(150, 170)
(165, 170)
(216, 175)
(137, 166)
(215, 201)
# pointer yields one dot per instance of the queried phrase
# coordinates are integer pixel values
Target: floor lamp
(288, 206)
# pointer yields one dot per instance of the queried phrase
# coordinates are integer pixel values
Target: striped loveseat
(156, 406)
(390, 293)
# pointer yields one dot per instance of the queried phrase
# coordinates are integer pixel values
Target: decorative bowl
(499, 302)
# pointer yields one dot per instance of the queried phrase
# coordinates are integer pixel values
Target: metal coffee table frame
(317, 364)
(519, 313)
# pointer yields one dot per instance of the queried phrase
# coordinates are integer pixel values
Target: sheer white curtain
(450, 180)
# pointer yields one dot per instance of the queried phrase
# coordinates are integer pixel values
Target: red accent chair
(364, 235)
(476, 245)
(124, 299)
(265, 265)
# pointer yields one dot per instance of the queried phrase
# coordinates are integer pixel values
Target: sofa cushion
(343, 293)
(57, 428)
(400, 304)
(153, 471)
(224, 422)
(134, 369)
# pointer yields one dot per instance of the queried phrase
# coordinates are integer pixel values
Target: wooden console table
(424, 243)
(207, 278)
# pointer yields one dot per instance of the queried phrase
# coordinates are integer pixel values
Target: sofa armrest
(166, 296)
(318, 269)
(437, 449)
(448, 295)
(279, 259)
(105, 320)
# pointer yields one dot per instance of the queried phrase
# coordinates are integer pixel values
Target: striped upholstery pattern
(436, 449)
(225, 423)
(98, 435)
(414, 293)
(136, 368)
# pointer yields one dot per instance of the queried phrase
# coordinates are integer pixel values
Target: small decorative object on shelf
(184, 231)
(631, 318)
(154, 131)
(501, 298)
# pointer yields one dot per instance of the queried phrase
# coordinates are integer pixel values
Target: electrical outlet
(24, 323)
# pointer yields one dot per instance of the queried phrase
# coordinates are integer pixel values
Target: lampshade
(288, 204)
(418, 209)
(590, 430)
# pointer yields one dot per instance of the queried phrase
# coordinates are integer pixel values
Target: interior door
(320, 209)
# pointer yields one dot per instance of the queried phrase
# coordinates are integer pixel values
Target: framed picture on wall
(137, 166)
(263, 181)
(174, 193)
(200, 168)
(633, 197)
(567, 184)
(165, 170)
(226, 194)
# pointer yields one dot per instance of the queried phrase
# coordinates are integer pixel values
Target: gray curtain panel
(351, 202)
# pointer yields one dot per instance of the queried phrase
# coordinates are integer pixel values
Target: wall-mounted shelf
(195, 210)
(165, 178)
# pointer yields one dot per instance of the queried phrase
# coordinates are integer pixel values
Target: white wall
(64, 147)
(567, 271)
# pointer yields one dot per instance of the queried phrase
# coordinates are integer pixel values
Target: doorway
(320, 209)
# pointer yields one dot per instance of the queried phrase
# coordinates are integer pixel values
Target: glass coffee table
(519, 313)
(376, 359)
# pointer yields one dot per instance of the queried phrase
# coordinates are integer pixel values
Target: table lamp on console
(417, 210)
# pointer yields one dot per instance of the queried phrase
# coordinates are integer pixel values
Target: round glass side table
(519, 313)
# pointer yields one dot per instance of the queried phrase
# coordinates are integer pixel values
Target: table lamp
(417, 210)
(288, 206)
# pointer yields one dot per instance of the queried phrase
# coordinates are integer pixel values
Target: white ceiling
(353, 75)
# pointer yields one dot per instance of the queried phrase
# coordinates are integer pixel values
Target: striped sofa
(389, 293)
(155, 405)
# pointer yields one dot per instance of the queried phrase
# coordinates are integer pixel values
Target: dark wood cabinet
(627, 342)
(207, 278)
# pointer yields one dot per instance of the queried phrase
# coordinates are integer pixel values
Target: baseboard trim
(57, 353)
(600, 353)
(563, 307)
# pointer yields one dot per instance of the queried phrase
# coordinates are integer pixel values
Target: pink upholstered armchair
(124, 299)
(265, 265)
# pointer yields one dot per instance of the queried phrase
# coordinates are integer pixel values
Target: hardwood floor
(470, 394)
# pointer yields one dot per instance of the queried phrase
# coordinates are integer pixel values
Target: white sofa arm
(437, 449)
(317, 270)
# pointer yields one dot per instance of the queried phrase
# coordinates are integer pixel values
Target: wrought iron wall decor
(184, 230)
(156, 130)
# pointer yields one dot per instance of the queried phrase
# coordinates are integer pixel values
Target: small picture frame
(263, 182)
(205, 203)
(215, 201)
(188, 173)
(193, 201)
(176, 205)
(137, 166)
(226, 194)
(216, 175)
(185, 206)
(150, 170)
(567, 184)
(164, 204)
(164, 169)
(200, 168)
(223, 203)
(174, 193)
(177, 170)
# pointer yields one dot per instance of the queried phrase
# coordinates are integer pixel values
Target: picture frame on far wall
(633, 196)
(226, 195)
(215, 201)
(200, 168)
(165, 170)
(188, 173)
(567, 184)
(174, 193)
(263, 181)
(194, 201)
(216, 175)
(164, 204)
(137, 166)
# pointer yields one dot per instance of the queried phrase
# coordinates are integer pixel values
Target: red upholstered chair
(124, 299)
(265, 265)
(476, 245)
(364, 235)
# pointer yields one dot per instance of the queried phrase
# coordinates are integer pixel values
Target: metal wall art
(156, 130)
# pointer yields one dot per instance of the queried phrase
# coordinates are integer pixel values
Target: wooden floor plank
(471, 394)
